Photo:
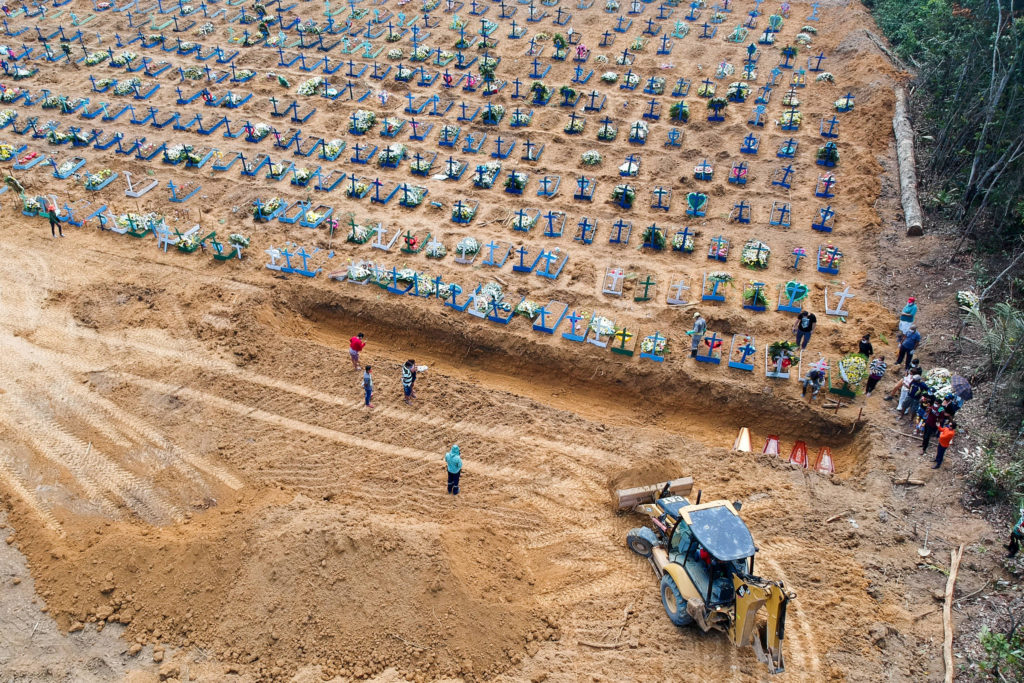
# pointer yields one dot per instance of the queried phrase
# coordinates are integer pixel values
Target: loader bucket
(629, 498)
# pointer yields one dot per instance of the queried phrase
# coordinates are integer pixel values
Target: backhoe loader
(703, 554)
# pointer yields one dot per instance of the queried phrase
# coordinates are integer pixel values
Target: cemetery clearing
(182, 447)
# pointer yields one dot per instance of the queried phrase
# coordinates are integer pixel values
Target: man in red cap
(907, 316)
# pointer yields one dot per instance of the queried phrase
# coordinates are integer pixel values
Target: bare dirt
(185, 456)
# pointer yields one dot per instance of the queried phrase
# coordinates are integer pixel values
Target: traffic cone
(824, 462)
(742, 441)
(771, 446)
(798, 456)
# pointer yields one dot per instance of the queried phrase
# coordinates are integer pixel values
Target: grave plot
(605, 138)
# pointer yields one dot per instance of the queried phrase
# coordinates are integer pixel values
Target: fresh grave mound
(359, 594)
(281, 584)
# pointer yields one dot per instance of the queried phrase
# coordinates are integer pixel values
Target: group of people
(453, 458)
(409, 372)
(930, 415)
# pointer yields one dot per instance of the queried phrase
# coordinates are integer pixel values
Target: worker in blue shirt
(453, 462)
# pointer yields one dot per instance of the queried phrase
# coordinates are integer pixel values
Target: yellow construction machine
(704, 555)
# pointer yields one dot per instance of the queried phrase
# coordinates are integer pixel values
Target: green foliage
(1004, 654)
(1002, 337)
(969, 58)
(997, 479)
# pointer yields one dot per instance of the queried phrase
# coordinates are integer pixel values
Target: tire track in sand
(15, 484)
(97, 473)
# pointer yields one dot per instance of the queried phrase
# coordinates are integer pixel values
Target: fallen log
(907, 169)
(947, 613)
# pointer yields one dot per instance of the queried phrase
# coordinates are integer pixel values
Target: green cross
(623, 336)
(646, 283)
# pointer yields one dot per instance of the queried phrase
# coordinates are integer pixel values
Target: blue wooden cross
(750, 144)
(553, 230)
(825, 185)
(746, 351)
(825, 223)
(545, 182)
(502, 152)
(522, 267)
(784, 180)
(708, 31)
(833, 128)
(607, 38)
(759, 116)
(788, 53)
(537, 73)
(636, 133)
(529, 149)
(652, 113)
(377, 184)
(775, 75)
(452, 167)
(586, 233)
(659, 193)
(780, 214)
(741, 212)
(585, 189)
(573, 118)
(619, 226)
(574, 333)
(712, 343)
(814, 63)
(491, 247)
(719, 242)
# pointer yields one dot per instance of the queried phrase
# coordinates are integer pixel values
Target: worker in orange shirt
(946, 434)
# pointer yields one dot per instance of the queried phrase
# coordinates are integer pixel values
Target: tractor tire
(641, 541)
(673, 602)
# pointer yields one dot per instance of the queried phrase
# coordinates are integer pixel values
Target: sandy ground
(185, 456)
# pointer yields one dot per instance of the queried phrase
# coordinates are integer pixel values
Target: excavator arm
(753, 593)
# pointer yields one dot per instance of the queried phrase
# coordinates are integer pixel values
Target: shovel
(925, 551)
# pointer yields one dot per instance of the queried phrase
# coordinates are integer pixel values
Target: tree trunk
(907, 169)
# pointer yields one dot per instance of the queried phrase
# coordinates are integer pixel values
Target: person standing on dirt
(805, 323)
(876, 371)
(453, 463)
(51, 212)
(408, 380)
(697, 333)
(931, 426)
(915, 391)
(908, 346)
(946, 434)
(864, 346)
(907, 316)
(368, 385)
(355, 345)
(1016, 535)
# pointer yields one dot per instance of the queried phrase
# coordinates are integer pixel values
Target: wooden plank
(947, 613)
(629, 498)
